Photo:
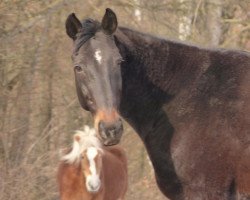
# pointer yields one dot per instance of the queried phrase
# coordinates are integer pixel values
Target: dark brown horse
(92, 172)
(189, 105)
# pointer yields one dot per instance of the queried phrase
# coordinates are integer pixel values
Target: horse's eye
(119, 61)
(78, 68)
(90, 102)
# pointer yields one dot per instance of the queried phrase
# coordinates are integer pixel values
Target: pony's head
(87, 152)
(96, 61)
(91, 165)
(81, 141)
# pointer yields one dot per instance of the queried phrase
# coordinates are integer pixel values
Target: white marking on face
(91, 154)
(98, 56)
(93, 180)
(93, 183)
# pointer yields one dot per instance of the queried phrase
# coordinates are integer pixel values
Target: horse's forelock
(89, 28)
(82, 140)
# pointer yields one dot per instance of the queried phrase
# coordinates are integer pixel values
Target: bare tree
(39, 110)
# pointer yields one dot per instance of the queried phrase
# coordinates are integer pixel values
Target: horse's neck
(154, 72)
(169, 65)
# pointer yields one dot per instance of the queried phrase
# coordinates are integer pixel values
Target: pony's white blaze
(93, 180)
(91, 154)
(98, 56)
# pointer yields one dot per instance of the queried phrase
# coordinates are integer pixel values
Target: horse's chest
(202, 158)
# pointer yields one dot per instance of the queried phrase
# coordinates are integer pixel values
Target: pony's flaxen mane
(81, 141)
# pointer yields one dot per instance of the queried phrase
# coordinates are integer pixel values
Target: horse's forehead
(97, 47)
(90, 49)
(92, 153)
(98, 56)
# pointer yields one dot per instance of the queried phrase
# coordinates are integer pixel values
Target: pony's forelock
(81, 141)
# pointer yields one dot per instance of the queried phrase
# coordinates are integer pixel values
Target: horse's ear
(109, 22)
(73, 26)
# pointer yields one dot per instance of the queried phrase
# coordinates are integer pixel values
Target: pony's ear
(109, 22)
(73, 26)
(77, 137)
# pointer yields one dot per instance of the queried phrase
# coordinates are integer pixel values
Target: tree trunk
(213, 22)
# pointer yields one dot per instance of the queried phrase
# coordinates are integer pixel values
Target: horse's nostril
(110, 131)
(102, 131)
(101, 126)
(119, 126)
(93, 186)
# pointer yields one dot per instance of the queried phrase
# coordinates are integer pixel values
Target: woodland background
(39, 110)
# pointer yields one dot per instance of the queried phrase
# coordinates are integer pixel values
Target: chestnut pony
(92, 172)
(189, 105)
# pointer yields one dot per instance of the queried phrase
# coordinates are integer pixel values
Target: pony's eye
(78, 68)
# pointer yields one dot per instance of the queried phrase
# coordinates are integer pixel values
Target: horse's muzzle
(110, 133)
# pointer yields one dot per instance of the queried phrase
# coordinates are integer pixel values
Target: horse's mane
(81, 141)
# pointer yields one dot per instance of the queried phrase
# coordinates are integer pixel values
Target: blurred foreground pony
(92, 172)
(189, 105)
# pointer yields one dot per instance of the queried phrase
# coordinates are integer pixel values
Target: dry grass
(35, 177)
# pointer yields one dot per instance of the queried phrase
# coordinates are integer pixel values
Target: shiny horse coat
(189, 105)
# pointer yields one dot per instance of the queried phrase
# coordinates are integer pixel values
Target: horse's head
(91, 165)
(96, 61)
